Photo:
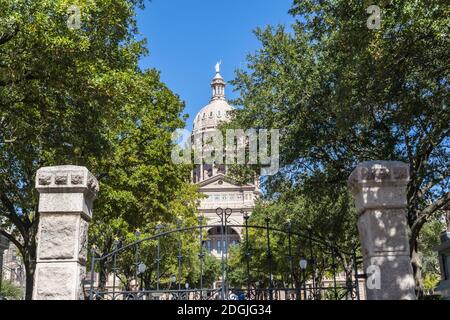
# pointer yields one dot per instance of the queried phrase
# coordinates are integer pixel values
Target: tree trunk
(103, 276)
(28, 251)
(417, 269)
(30, 268)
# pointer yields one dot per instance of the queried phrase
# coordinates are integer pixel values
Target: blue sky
(186, 39)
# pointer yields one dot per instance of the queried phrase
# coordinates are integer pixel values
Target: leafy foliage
(77, 96)
(428, 241)
(342, 93)
(10, 291)
(311, 239)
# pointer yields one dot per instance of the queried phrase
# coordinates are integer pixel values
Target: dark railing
(325, 271)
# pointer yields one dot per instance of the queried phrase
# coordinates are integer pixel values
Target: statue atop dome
(218, 66)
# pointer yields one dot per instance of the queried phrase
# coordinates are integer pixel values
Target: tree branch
(26, 77)
(12, 215)
(5, 38)
(436, 205)
(12, 239)
(433, 182)
(426, 213)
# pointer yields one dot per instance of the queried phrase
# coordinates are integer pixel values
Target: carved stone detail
(45, 179)
(93, 184)
(77, 179)
(61, 179)
(66, 177)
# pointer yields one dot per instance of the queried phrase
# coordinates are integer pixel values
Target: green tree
(10, 291)
(141, 186)
(327, 222)
(211, 271)
(342, 93)
(146, 251)
(429, 239)
(77, 96)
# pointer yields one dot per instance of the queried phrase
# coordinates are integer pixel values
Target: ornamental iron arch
(303, 266)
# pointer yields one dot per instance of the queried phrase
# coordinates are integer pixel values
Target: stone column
(66, 194)
(443, 250)
(379, 191)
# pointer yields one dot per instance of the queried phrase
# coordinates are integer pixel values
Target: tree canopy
(75, 95)
(342, 93)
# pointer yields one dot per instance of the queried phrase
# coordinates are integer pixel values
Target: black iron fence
(268, 264)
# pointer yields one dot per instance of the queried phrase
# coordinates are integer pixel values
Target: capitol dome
(210, 116)
(218, 110)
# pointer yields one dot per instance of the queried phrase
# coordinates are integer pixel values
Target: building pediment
(221, 181)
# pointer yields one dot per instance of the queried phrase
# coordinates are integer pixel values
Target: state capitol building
(221, 190)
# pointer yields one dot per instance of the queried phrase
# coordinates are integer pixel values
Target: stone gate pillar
(66, 194)
(379, 191)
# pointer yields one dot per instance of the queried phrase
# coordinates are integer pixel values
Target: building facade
(11, 266)
(220, 189)
(4, 245)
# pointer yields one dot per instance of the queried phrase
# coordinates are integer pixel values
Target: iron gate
(306, 267)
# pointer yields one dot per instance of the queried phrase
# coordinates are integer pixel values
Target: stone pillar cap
(66, 179)
(378, 172)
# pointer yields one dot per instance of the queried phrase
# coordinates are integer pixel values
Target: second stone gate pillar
(379, 190)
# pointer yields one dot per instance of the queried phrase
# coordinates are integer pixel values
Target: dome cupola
(218, 85)
(218, 109)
